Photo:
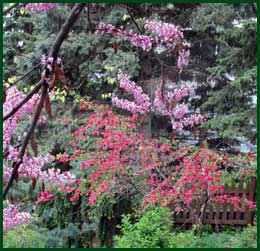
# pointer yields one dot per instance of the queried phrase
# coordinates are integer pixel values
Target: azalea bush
(114, 162)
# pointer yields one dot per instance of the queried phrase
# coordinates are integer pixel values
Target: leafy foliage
(245, 238)
(151, 230)
(233, 74)
(23, 237)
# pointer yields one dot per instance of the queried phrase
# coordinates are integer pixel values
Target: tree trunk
(146, 75)
(202, 131)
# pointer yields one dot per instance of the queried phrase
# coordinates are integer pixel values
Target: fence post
(251, 196)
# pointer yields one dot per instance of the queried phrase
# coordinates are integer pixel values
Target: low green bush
(23, 237)
(246, 238)
(151, 230)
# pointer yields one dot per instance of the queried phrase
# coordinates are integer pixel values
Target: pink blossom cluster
(165, 31)
(143, 41)
(12, 217)
(13, 97)
(183, 59)
(40, 6)
(126, 105)
(182, 92)
(172, 36)
(56, 177)
(159, 103)
(176, 125)
(6, 172)
(179, 111)
(143, 102)
(163, 105)
(29, 168)
(193, 120)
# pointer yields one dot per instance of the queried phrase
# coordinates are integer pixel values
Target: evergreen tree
(232, 96)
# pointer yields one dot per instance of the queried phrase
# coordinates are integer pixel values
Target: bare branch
(133, 20)
(26, 74)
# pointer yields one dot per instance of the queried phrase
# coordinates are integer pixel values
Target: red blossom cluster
(121, 159)
(74, 191)
(44, 197)
(196, 178)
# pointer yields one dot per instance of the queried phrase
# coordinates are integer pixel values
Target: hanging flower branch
(40, 6)
(167, 104)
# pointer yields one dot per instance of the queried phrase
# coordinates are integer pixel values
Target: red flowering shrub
(116, 161)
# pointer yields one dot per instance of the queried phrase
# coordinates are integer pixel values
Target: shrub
(23, 237)
(247, 238)
(152, 230)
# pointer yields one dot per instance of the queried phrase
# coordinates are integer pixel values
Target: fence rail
(225, 214)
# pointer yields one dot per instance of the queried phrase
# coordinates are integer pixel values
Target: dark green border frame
(118, 2)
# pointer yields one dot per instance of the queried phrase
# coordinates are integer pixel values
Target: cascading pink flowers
(162, 32)
(40, 6)
(143, 41)
(12, 217)
(179, 111)
(172, 36)
(160, 105)
(13, 97)
(193, 120)
(143, 103)
(166, 32)
(30, 166)
(56, 177)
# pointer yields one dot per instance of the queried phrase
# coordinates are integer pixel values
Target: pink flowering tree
(18, 160)
(165, 103)
(31, 166)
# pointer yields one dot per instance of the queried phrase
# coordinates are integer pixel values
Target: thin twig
(26, 74)
(133, 20)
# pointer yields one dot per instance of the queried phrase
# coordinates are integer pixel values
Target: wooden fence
(224, 214)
